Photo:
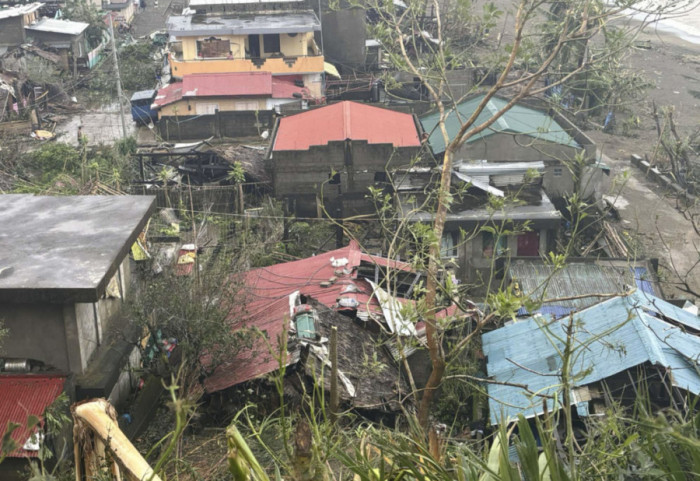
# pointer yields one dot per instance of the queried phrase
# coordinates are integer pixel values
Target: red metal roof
(346, 120)
(233, 84)
(267, 305)
(24, 395)
(284, 88)
(167, 95)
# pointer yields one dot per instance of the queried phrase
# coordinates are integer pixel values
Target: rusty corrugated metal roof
(267, 305)
(346, 120)
(232, 84)
(24, 395)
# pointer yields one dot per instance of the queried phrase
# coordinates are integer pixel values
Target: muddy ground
(654, 219)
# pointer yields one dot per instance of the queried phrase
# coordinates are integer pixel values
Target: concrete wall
(127, 381)
(87, 324)
(344, 36)
(35, 331)
(61, 335)
(305, 174)
(290, 45)
(502, 147)
(220, 125)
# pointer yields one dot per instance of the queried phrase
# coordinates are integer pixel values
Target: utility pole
(119, 79)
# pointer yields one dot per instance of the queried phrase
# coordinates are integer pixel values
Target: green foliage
(87, 12)
(138, 66)
(197, 311)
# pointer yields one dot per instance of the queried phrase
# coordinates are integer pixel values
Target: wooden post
(334, 373)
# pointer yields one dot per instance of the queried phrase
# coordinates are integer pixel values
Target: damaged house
(329, 157)
(281, 43)
(296, 303)
(13, 22)
(621, 345)
(522, 134)
(64, 276)
(581, 283)
(501, 207)
(64, 36)
(235, 104)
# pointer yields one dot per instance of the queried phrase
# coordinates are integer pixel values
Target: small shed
(620, 345)
(66, 36)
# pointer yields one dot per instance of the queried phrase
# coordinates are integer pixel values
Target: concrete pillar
(76, 362)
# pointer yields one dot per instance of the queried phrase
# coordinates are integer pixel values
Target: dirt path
(656, 229)
(152, 18)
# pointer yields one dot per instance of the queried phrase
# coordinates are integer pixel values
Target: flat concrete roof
(243, 24)
(65, 249)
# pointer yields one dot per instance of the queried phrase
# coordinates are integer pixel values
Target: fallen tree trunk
(100, 447)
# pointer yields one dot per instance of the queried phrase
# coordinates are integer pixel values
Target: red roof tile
(267, 305)
(234, 84)
(25, 395)
(346, 120)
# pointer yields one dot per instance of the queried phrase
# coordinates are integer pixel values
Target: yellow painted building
(282, 44)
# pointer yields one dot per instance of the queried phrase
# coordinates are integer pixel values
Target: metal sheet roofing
(616, 335)
(518, 120)
(243, 24)
(143, 95)
(267, 291)
(346, 120)
(19, 10)
(232, 84)
(24, 395)
(52, 25)
(544, 211)
(540, 280)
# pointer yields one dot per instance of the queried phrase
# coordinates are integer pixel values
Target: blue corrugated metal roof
(612, 336)
(548, 310)
(641, 277)
(518, 120)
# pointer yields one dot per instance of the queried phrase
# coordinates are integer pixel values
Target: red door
(529, 244)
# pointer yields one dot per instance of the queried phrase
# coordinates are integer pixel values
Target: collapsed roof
(610, 337)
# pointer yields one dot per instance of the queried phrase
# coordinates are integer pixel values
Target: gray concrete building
(64, 276)
(329, 157)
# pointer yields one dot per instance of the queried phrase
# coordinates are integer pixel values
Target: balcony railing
(275, 65)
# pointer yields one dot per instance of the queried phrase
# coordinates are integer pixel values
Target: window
(447, 246)
(489, 246)
(557, 171)
(271, 43)
(213, 47)
(334, 179)
(206, 108)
